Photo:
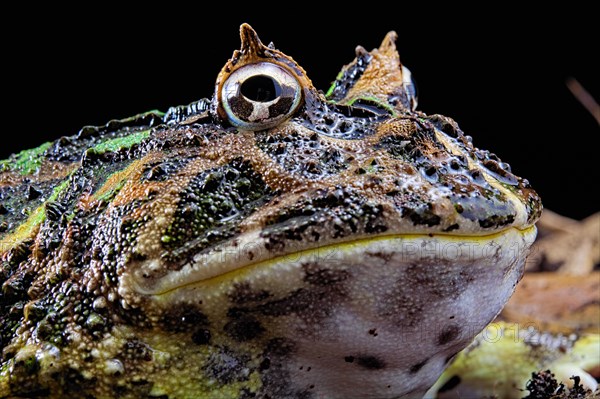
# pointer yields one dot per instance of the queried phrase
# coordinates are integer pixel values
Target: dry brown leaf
(556, 302)
(566, 245)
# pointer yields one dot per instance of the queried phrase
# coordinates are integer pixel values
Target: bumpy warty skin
(348, 251)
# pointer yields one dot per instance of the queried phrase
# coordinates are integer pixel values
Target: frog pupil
(260, 88)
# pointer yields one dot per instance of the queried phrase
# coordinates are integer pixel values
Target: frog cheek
(260, 96)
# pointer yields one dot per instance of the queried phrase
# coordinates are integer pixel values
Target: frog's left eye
(259, 96)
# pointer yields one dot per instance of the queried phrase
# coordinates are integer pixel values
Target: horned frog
(269, 242)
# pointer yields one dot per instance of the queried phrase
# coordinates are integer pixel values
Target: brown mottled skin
(178, 256)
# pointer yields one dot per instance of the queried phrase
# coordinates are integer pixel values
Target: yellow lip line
(296, 255)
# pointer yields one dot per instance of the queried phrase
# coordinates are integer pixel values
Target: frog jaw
(380, 316)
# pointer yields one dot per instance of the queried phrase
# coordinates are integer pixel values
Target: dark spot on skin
(15, 288)
(136, 350)
(265, 364)
(417, 287)
(243, 294)
(373, 332)
(370, 362)
(422, 215)
(32, 193)
(416, 367)
(227, 366)
(452, 227)
(349, 359)
(430, 171)
(314, 274)
(497, 221)
(201, 336)
(312, 305)
(243, 327)
(276, 379)
(477, 176)
(280, 347)
(450, 384)
(385, 256)
(184, 318)
(246, 394)
(73, 382)
(448, 334)
(403, 309)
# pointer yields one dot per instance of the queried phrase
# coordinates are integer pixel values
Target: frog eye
(259, 96)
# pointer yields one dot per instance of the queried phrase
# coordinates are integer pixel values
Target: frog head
(373, 241)
(272, 240)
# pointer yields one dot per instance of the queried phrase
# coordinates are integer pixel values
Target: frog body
(268, 242)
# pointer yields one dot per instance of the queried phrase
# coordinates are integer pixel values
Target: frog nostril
(260, 88)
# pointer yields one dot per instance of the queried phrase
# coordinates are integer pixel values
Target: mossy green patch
(121, 142)
(4, 377)
(332, 87)
(25, 162)
(377, 101)
(36, 217)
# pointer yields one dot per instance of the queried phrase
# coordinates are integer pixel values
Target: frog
(269, 241)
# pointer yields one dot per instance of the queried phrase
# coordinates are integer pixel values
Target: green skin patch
(121, 142)
(339, 76)
(37, 217)
(26, 162)
(376, 101)
(29, 161)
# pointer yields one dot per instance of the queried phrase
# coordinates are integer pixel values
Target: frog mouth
(217, 271)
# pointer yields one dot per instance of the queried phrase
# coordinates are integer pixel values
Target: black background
(500, 73)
